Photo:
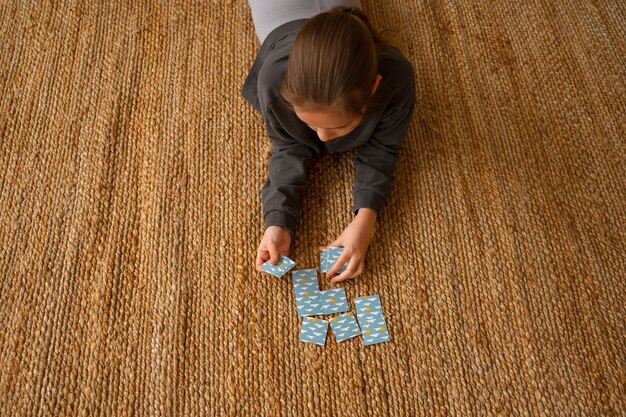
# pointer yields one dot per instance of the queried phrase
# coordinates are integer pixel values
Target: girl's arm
(374, 162)
(287, 179)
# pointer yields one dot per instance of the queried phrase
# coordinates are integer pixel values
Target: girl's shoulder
(265, 77)
(394, 64)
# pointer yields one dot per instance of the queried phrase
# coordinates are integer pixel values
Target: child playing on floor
(325, 82)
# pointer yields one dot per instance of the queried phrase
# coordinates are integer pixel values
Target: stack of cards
(329, 257)
(373, 325)
(283, 265)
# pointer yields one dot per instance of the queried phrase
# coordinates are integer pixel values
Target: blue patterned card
(371, 319)
(309, 303)
(334, 301)
(283, 265)
(344, 327)
(375, 332)
(305, 280)
(306, 291)
(329, 257)
(368, 305)
(316, 303)
(314, 330)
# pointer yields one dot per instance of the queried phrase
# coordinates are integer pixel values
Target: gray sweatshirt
(377, 139)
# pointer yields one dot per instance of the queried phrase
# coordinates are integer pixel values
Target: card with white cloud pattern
(371, 319)
(309, 303)
(344, 327)
(283, 265)
(328, 258)
(375, 332)
(369, 305)
(305, 280)
(315, 303)
(314, 330)
(334, 301)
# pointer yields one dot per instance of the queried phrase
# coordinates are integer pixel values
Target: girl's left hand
(355, 239)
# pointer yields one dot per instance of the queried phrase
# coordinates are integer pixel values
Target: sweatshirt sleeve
(376, 159)
(287, 179)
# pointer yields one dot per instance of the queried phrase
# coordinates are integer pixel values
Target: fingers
(264, 255)
(351, 272)
(356, 266)
(342, 259)
(273, 254)
(275, 242)
(261, 257)
(336, 243)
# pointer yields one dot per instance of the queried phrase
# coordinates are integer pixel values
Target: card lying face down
(373, 325)
(328, 258)
(344, 327)
(314, 330)
(283, 265)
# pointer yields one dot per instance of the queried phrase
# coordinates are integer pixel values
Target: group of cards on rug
(310, 302)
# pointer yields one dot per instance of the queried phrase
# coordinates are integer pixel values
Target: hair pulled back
(333, 62)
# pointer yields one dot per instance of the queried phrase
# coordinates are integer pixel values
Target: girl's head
(332, 71)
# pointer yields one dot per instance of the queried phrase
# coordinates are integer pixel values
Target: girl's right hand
(276, 241)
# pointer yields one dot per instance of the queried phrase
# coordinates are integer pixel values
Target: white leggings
(269, 14)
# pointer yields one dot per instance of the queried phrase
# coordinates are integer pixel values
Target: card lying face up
(329, 257)
(344, 327)
(315, 303)
(306, 291)
(334, 301)
(309, 303)
(305, 280)
(283, 265)
(314, 330)
(373, 325)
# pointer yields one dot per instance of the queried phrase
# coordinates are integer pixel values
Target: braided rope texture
(130, 213)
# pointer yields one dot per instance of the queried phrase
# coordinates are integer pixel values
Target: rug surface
(130, 213)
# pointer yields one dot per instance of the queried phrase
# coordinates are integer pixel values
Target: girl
(325, 82)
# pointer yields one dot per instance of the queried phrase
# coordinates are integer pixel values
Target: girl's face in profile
(328, 124)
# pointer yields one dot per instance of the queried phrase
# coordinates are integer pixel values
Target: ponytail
(358, 13)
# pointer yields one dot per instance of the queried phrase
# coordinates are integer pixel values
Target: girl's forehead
(325, 119)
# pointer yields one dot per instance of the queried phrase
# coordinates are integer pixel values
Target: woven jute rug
(130, 213)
